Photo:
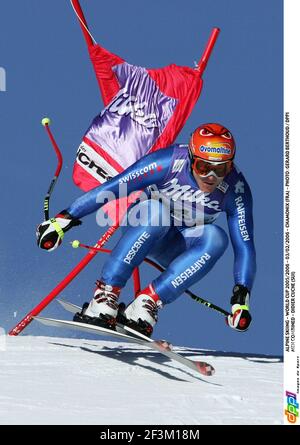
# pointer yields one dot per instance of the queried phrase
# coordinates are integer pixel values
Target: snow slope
(47, 380)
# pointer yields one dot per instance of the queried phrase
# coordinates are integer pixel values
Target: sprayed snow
(47, 380)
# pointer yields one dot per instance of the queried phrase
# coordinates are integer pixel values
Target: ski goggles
(205, 168)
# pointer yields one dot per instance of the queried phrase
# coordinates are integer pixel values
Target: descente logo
(136, 247)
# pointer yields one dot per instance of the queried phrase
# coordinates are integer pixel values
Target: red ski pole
(81, 265)
(46, 122)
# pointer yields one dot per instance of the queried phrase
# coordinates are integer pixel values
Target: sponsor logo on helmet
(216, 149)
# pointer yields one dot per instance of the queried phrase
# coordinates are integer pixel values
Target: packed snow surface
(48, 380)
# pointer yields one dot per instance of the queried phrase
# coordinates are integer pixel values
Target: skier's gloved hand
(50, 233)
(240, 318)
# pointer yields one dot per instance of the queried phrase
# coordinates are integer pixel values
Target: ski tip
(205, 368)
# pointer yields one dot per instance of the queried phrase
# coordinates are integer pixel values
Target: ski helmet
(212, 143)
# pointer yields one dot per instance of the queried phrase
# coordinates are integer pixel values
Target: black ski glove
(240, 318)
(50, 233)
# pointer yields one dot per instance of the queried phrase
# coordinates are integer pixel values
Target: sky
(48, 74)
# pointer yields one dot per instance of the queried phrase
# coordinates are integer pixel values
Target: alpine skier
(185, 188)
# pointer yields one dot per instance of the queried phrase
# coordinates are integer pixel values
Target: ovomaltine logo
(218, 148)
(2, 79)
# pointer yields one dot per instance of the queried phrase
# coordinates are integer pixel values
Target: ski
(70, 307)
(127, 334)
(74, 308)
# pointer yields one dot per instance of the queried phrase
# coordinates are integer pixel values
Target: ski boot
(141, 313)
(103, 308)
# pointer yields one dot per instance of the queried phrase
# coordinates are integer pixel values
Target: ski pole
(191, 294)
(75, 244)
(46, 122)
(81, 265)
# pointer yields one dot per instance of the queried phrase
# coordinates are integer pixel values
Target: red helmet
(212, 143)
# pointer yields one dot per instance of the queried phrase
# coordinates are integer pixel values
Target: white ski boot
(103, 308)
(141, 314)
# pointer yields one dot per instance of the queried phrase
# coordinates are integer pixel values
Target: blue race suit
(175, 223)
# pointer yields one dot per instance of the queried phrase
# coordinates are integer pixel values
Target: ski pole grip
(208, 50)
